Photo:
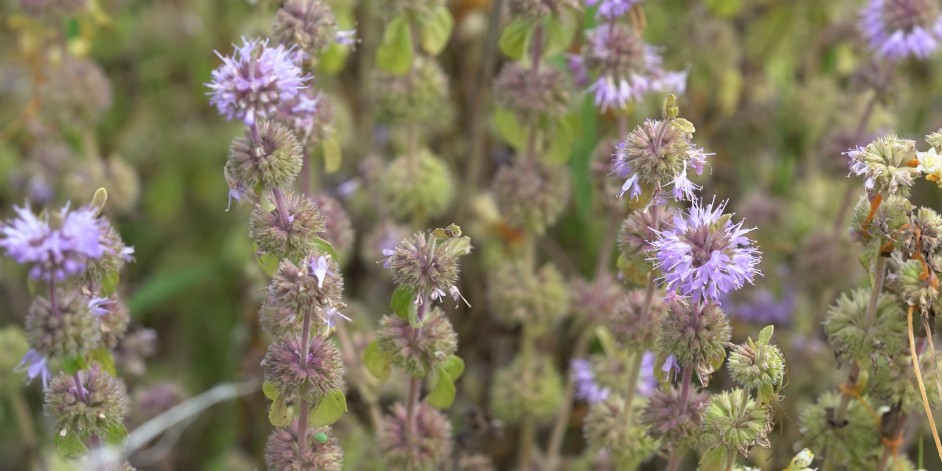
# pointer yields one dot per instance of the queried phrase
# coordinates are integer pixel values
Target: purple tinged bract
(57, 250)
(255, 81)
(705, 255)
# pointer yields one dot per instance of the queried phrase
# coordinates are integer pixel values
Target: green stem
(305, 407)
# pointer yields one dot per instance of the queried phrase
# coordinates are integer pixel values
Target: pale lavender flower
(255, 81)
(647, 383)
(705, 255)
(34, 364)
(896, 29)
(99, 306)
(587, 388)
(347, 37)
(613, 8)
(330, 314)
(319, 268)
(763, 307)
(57, 251)
(684, 189)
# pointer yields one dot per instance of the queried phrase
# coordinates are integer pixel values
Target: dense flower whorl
(338, 228)
(856, 338)
(850, 443)
(113, 318)
(518, 295)
(308, 25)
(57, 246)
(640, 228)
(94, 402)
(418, 186)
(613, 8)
(418, 351)
(68, 328)
(287, 237)
(255, 81)
(314, 284)
(268, 157)
(425, 449)
(888, 164)
(726, 423)
(427, 263)
(606, 428)
(322, 453)
(753, 365)
(529, 95)
(656, 154)
(695, 334)
(521, 390)
(635, 328)
(897, 29)
(705, 255)
(671, 423)
(312, 377)
(531, 197)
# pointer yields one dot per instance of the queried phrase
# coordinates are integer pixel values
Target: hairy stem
(415, 384)
(305, 407)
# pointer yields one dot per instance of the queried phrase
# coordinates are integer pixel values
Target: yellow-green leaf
(558, 31)
(70, 445)
(329, 410)
(403, 301)
(394, 54)
(435, 29)
(515, 38)
(103, 357)
(270, 390)
(279, 415)
(684, 125)
(509, 129)
(443, 394)
(332, 154)
(713, 460)
(453, 367)
(377, 362)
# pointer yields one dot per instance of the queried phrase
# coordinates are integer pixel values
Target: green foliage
(329, 409)
(394, 54)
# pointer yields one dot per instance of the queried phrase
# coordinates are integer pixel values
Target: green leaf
(279, 415)
(713, 460)
(70, 445)
(103, 357)
(765, 335)
(268, 263)
(509, 129)
(377, 362)
(403, 302)
(394, 54)
(558, 31)
(109, 283)
(443, 394)
(515, 38)
(73, 364)
(561, 141)
(435, 30)
(116, 433)
(329, 410)
(332, 154)
(767, 393)
(99, 199)
(270, 390)
(31, 285)
(724, 8)
(453, 367)
(322, 245)
(333, 59)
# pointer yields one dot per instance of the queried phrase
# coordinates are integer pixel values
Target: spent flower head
(255, 81)
(888, 164)
(705, 255)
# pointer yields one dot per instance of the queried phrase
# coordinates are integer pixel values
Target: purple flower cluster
(57, 248)
(763, 307)
(613, 8)
(896, 29)
(705, 255)
(591, 391)
(255, 81)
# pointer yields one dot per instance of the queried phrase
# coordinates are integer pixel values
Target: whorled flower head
(756, 364)
(668, 421)
(888, 222)
(888, 165)
(116, 254)
(266, 158)
(893, 381)
(150, 401)
(67, 329)
(420, 185)
(596, 301)
(322, 452)
(420, 96)
(338, 229)
(429, 445)
(625, 442)
(427, 263)
(640, 228)
(695, 333)
(656, 154)
(418, 351)
(531, 97)
(914, 284)
(255, 81)
(310, 115)
(518, 295)
(705, 255)
(925, 226)
(850, 443)
(288, 235)
(380, 241)
(531, 197)
(135, 347)
(855, 338)
(314, 284)
(634, 327)
(113, 318)
(519, 390)
(312, 374)
(57, 246)
(308, 25)
(90, 402)
(77, 91)
(726, 424)
(897, 29)
(628, 69)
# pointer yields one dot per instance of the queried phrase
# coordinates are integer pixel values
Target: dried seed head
(726, 423)
(696, 334)
(851, 334)
(753, 365)
(887, 165)
(850, 443)
(668, 421)
(89, 402)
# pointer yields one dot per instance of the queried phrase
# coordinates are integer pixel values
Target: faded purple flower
(57, 248)
(613, 8)
(330, 314)
(255, 81)
(34, 364)
(896, 29)
(319, 268)
(705, 254)
(587, 388)
(762, 306)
